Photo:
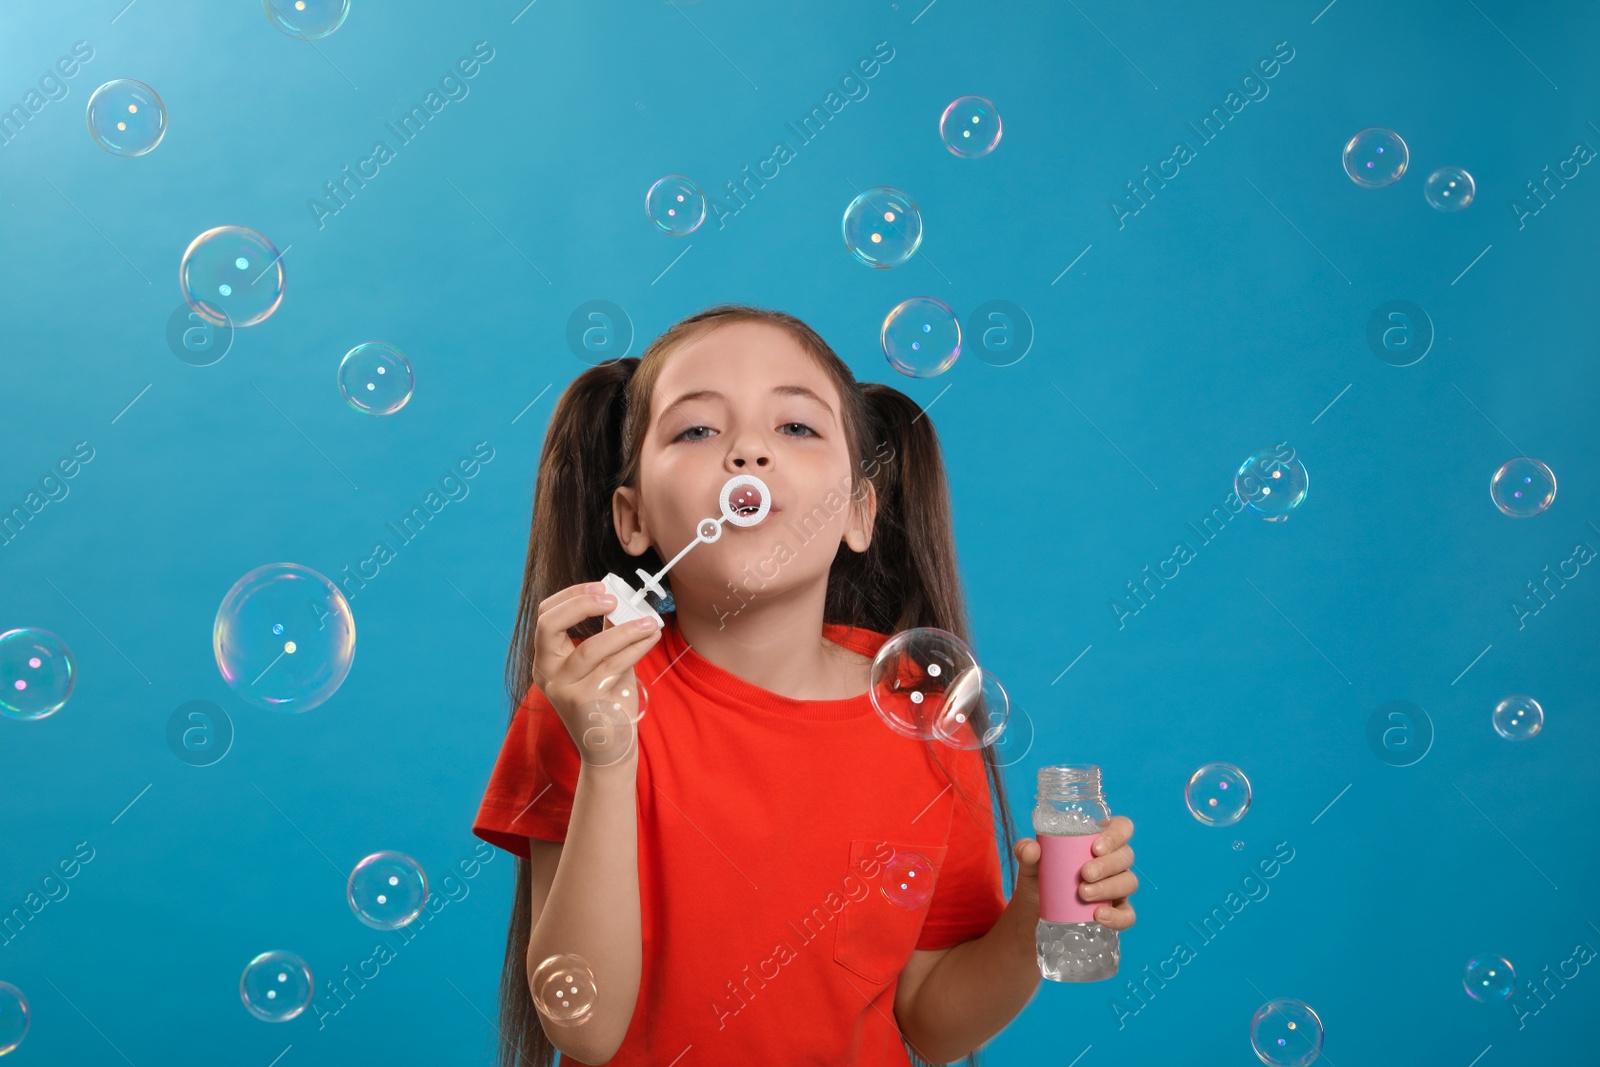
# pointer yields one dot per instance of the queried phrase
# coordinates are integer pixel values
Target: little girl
(722, 855)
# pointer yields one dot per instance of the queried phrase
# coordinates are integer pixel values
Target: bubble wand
(745, 501)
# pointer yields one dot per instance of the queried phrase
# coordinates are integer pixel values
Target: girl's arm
(960, 997)
(592, 909)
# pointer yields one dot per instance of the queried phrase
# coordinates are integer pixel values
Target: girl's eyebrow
(712, 394)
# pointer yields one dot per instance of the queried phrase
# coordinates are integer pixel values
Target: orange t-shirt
(764, 825)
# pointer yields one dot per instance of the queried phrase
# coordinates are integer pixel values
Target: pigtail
(911, 563)
(572, 540)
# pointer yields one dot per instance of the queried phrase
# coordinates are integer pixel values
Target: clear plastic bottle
(1068, 816)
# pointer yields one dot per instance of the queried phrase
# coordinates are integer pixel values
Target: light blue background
(1223, 318)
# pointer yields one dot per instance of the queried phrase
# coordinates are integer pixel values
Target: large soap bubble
(126, 117)
(284, 637)
(882, 227)
(307, 20)
(1286, 1033)
(232, 276)
(564, 989)
(1376, 157)
(387, 890)
(276, 986)
(37, 673)
(926, 685)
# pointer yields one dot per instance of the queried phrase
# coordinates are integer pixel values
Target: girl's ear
(864, 508)
(629, 522)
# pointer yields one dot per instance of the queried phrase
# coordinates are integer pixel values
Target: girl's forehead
(740, 358)
(737, 344)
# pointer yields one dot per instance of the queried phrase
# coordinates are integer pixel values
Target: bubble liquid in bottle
(1068, 816)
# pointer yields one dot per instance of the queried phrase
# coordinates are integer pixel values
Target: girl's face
(743, 399)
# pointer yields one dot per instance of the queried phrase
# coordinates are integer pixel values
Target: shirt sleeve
(968, 897)
(535, 776)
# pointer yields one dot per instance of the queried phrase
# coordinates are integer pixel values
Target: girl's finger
(1103, 866)
(1117, 887)
(1117, 915)
(612, 651)
(550, 640)
(617, 666)
(568, 593)
(1119, 828)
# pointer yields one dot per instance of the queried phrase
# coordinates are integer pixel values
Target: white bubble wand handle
(631, 603)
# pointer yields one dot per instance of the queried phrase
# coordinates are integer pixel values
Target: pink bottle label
(1061, 863)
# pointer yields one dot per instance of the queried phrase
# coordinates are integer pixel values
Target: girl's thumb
(1028, 853)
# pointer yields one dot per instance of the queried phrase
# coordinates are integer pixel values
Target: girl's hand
(1105, 877)
(592, 685)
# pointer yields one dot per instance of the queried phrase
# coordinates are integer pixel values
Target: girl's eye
(809, 432)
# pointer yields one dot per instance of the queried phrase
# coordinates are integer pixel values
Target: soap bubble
(882, 227)
(126, 117)
(1489, 978)
(1523, 487)
(1375, 157)
(1271, 486)
(907, 880)
(13, 1017)
(276, 986)
(376, 378)
(307, 20)
(1518, 718)
(232, 275)
(921, 337)
(976, 698)
(564, 990)
(609, 731)
(387, 890)
(37, 673)
(1449, 189)
(1286, 1033)
(1218, 794)
(970, 127)
(676, 205)
(284, 637)
(911, 677)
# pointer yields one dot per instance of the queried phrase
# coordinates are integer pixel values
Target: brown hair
(906, 579)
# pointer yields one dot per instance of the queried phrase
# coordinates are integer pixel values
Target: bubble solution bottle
(1067, 818)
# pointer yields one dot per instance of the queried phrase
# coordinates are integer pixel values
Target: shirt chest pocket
(876, 934)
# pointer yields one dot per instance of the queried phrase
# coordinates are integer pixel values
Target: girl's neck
(777, 645)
